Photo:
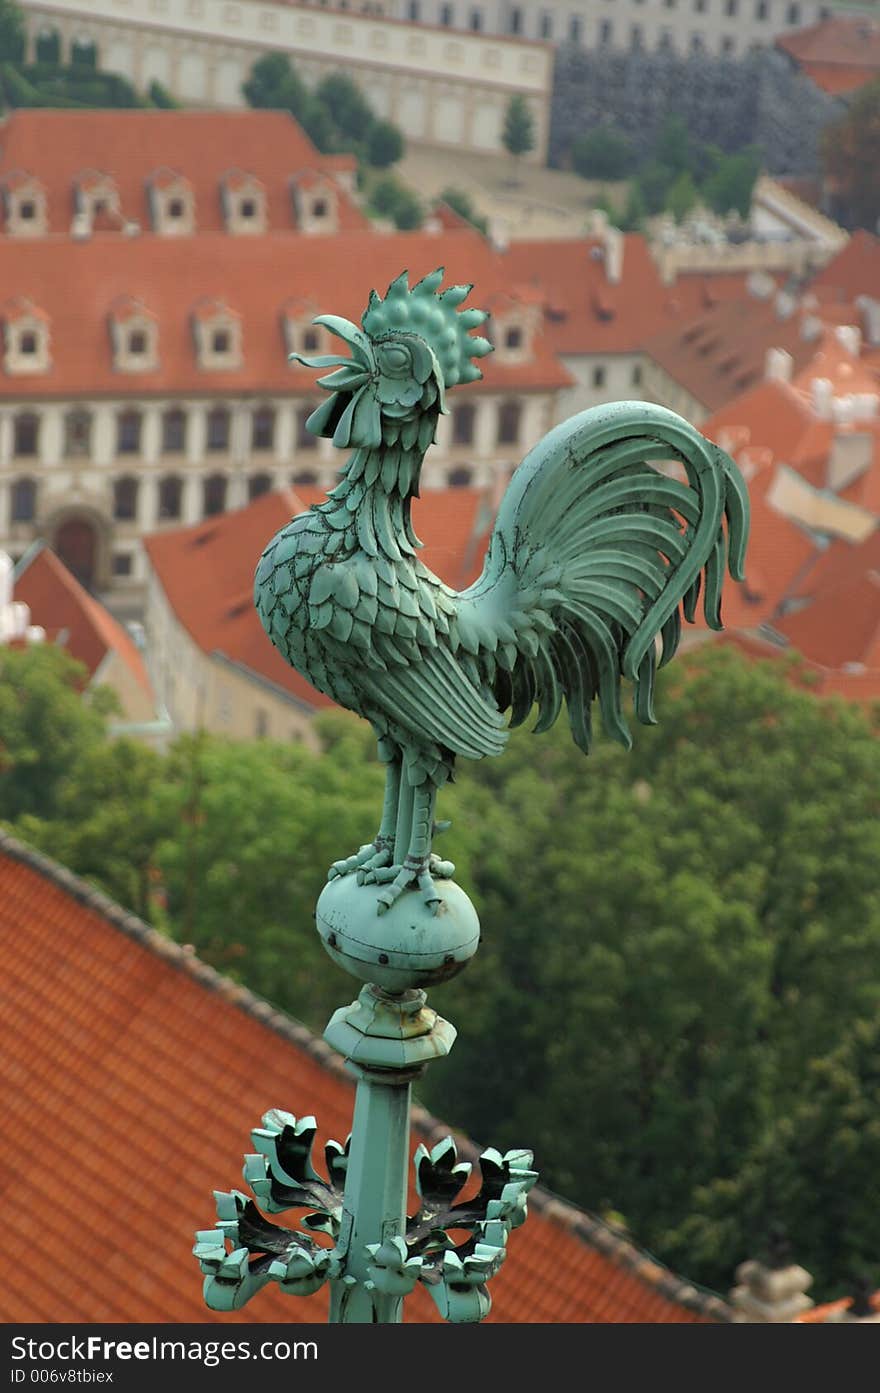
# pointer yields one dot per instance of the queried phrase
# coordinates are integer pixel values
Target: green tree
(817, 1166)
(12, 32)
(730, 187)
(106, 820)
(385, 145)
(603, 153)
(654, 180)
(681, 197)
(161, 97)
(673, 147)
(518, 132)
(45, 725)
(272, 83)
(633, 216)
(394, 200)
(251, 830)
(351, 113)
(462, 203)
(665, 967)
(851, 158)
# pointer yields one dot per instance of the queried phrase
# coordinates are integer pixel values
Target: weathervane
(594, 556)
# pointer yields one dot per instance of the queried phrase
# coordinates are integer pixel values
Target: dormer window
(300, 334)
(244, 203)
(217, 331)
(315, 202)
(135, 337)
(514, 323)
(172, 204)
(513, 337)
(96, 202)
(24, 205)
(26, 337)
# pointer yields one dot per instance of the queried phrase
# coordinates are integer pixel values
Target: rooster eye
(394, 358)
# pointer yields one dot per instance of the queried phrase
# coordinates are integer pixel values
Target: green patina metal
(608, 532)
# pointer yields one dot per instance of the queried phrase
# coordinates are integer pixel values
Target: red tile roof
(855, 270)
(207, 571)
(839, 54)
(837, 621)
(73, 617)
(59, 147)
(585, 313)
(76, 283)
(146, 1071)
(721, 353)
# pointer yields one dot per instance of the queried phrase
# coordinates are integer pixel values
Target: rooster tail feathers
(614, 526)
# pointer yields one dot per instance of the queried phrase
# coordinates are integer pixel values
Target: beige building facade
(441, 88)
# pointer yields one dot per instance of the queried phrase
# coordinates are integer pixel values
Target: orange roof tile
(837, 619)
(585, 313)
(722, 353)
(151, 1069)
(855, 270)
(839, 54)
(834, 1310)
(207, 598)
(63, 147)
(76, 283)
(73, 617)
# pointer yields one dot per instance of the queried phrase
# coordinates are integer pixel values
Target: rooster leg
(419, 865)
(380, 851)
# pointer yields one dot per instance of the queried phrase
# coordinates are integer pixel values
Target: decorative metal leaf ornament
(595, 557)
(245, 1251)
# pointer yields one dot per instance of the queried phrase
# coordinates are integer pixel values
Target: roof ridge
(592, 1230)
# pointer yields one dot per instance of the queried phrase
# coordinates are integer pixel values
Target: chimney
(613, 255)
(823, 397)
(871, 318)
(771, 1290)
(850, 336)
(778, 365)
(852, 452)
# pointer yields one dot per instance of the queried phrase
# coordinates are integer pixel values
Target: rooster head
(413, 345)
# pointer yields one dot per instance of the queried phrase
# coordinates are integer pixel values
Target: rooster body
(593, 557)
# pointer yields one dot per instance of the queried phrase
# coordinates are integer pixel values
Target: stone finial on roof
(771, 1290)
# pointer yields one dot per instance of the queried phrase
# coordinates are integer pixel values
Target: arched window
(24, 500)
(174, 431)
(263, 428)
(84, 53)
(258, 484)
(461, 478)
(218, 428)
(463, 422)
(304, 438)
(26, 434)
(214, 495)
(77, 433)
(125, 497)
(509, 414)
(170, 497)
(48, 46)
(128, 433)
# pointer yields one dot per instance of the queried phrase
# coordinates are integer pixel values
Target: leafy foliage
(461, 203)
(336, 116)
(390, 198)
(518, 132)
(603, 153)
(679, 944)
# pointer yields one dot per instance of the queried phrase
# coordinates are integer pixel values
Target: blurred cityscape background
(677, 1001)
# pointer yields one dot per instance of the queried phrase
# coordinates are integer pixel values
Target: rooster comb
(435, 318)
